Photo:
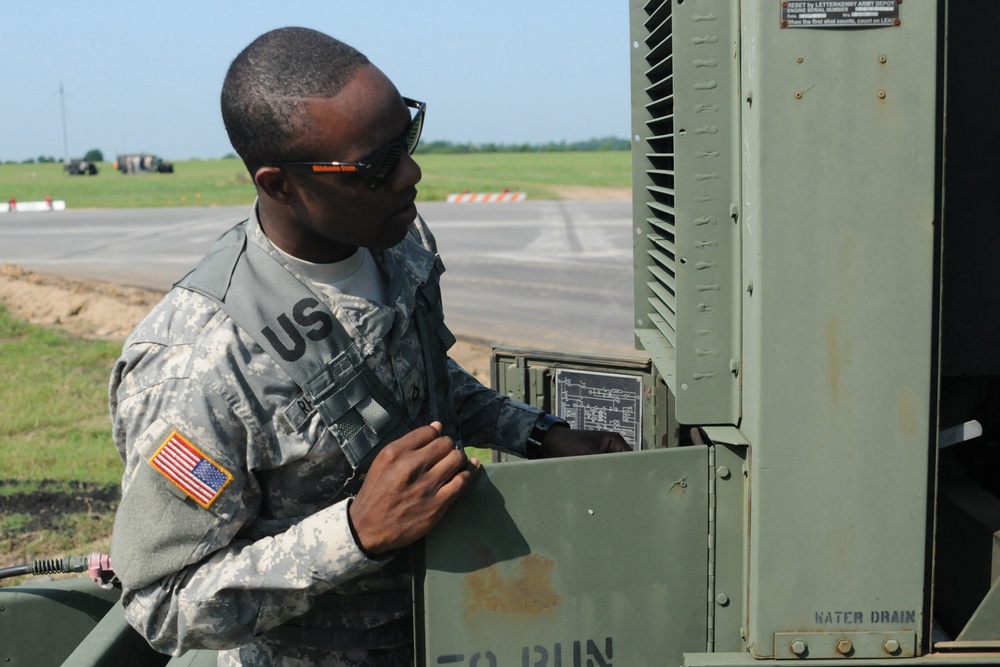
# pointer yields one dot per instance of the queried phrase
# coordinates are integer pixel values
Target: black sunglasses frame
(379, 165)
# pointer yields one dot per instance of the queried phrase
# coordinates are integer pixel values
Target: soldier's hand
(409, 486)
(562, 441)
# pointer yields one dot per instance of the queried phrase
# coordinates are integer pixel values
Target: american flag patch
(201, 478)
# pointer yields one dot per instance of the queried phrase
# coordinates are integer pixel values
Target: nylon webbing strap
(306, 340)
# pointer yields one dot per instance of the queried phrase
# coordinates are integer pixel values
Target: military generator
(815, 192)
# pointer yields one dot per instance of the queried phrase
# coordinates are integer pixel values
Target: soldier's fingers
(418, 463)
(449, 464)
(618, 444)
(426, 435)
(417, 438)
(459, 482)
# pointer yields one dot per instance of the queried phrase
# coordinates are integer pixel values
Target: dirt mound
(109, 311)
(87, 308)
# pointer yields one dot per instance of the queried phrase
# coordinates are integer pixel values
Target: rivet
(881, 94)
(882, 59)
(844, 646)
(798, 95)
(799, 647)
(799, 59)
(723, 472)
(890, 646)
(722, 599)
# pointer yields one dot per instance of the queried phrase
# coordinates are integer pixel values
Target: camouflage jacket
(232, 531)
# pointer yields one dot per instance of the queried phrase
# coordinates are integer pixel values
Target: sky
(145, 76)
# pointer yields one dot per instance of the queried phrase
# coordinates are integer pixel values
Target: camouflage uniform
(265, 565)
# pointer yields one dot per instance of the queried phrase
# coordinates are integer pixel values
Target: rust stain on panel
(528, 593)
(833, 359)
(909, 412)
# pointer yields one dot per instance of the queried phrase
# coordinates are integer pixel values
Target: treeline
(93, 155)
(597, 144)
(41, 159)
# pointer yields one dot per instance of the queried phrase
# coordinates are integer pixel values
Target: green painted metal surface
(113, 643)
(75, 623)
(685, 119)
(817, 149)
(746, 660)
(839, 166)
(42, 622)
(728, 544)
(602, 560)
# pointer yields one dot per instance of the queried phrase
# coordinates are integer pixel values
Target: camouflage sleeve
(198, 570)
(488, 418)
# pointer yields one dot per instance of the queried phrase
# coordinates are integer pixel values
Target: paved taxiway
(549, 274)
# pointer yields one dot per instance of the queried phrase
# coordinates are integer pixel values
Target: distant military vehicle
(143, 163)
(80, 167)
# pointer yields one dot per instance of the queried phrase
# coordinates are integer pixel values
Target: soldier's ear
(274, 183)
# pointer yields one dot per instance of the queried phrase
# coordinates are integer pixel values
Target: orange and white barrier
(486, 197)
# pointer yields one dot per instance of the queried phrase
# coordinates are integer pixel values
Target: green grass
(54, 430)
(534, 173)
(54, 420)
(194, 183)
(226, 182)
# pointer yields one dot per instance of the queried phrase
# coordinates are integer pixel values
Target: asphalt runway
(543, 274)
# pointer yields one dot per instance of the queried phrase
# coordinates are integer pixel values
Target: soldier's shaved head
(270, 82)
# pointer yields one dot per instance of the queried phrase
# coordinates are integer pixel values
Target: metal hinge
(710, 647)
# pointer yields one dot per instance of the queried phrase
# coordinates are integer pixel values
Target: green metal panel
(595, 560)
(839, 166)
(685, 118)
(75, 623)
(42, 622)
(113, 643)
(746, 660)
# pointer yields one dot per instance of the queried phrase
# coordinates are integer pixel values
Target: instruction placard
(601, 401)
(839, 13)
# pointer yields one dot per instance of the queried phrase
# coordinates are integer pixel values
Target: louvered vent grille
(662, 268)
(685, 190)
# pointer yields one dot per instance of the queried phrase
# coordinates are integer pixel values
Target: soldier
(288, 415)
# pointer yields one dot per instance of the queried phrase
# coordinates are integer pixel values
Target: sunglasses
(376, 167)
